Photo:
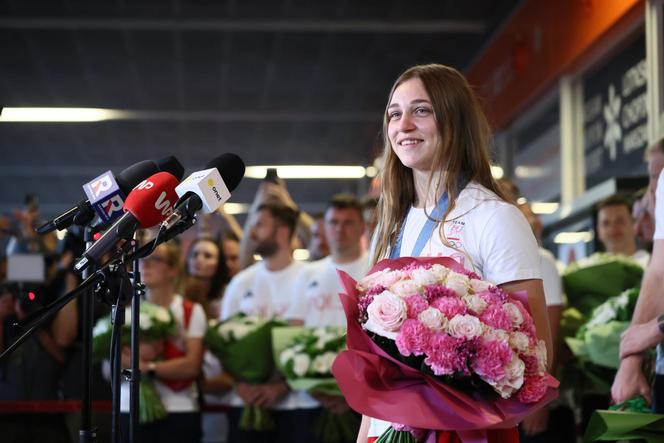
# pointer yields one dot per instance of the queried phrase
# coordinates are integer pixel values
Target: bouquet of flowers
(243, 345)
(156, 324)
(590, 281)
(305, 357)
(460, 352)
(631, 420)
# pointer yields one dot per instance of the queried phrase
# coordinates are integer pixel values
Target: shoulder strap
(187, 307)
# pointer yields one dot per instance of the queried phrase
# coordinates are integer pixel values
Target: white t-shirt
(185, 400)
(493, 237)
(266, 294)
(214, 425)
(659, 209)
(553, 284)
(317, 299)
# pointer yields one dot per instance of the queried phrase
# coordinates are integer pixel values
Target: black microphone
(84, 212)
(207, 189)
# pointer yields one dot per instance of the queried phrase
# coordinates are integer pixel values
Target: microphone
(83, 212)
(207, 189)
(149, 203)
(171, 165)
(105, 194)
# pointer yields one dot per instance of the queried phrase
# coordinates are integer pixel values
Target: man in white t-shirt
(616, 230)
(318, 300)
(267, 289)
(647, 327)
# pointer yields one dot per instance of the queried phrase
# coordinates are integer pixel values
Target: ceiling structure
(275, 81)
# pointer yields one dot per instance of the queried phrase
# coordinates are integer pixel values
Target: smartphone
(271, 175)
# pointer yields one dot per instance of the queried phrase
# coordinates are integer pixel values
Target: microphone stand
(86, 433)
(134, 376)
(111, 279)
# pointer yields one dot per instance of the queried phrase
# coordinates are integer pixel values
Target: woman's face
(155, 269)
(412, 125)
(203, 259)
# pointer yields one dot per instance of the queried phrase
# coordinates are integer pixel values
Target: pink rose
(514, 314)
(385, 278)
(423, 277)
(465, 326)
(404, 288)
(433, 319)
(478, 286)
(475, 304)
(387, 311)
(458, 283)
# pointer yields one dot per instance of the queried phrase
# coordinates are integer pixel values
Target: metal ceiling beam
(165, 24)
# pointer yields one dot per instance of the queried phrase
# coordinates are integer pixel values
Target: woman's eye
(422, 111)
(394, 115)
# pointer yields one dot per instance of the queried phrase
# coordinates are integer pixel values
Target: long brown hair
(462, 152)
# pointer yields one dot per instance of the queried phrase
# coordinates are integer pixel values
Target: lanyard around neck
(425, 233)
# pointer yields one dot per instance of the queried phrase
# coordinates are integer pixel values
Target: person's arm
(363, 434)
(538, 310)
(219, 384)
(180, 368)
(630, 380)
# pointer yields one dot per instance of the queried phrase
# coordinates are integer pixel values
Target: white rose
(404, 288)
(540, 353)
(101, 328)
(496, 334)
(478, 286)
(385, 278)
(387, 311)
(241, 331)
(513, 379)
(513, 313)
(439, 272)
(324, 339)
(322, 364)
(286, 356)
(519, 341)
(465, 326)
(475, 303)
(144, 321)
(423, 277)
(301, 364)
(515, 369)
(433, 319)
(162, 315)
(458, 283)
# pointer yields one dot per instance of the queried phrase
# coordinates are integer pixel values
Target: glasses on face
(154, 259)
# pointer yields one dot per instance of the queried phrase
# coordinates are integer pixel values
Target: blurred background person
(181, 358)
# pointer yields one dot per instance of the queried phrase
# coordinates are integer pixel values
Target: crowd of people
(437, 198)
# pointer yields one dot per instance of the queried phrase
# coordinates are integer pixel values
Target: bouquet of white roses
(305, 357)
(156, 323)
(243, 345)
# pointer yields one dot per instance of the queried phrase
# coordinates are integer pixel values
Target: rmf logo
(210, 183)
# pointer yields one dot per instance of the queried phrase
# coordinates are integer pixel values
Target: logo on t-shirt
(248, 294)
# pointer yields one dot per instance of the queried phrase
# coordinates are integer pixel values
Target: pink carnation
(362, 305)
(496, 317)
(375, 290)
(491, 359)
(494, 295)
(416, 304)
(532, 367)
(415, 265)
(470, 274)
(436, 291)
(449, 306)
(413, 338)
(444, 354)
(533, 389)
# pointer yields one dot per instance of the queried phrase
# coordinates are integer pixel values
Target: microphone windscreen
(171, 165)
(153, 199)
(230, 167)
(134, 174)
